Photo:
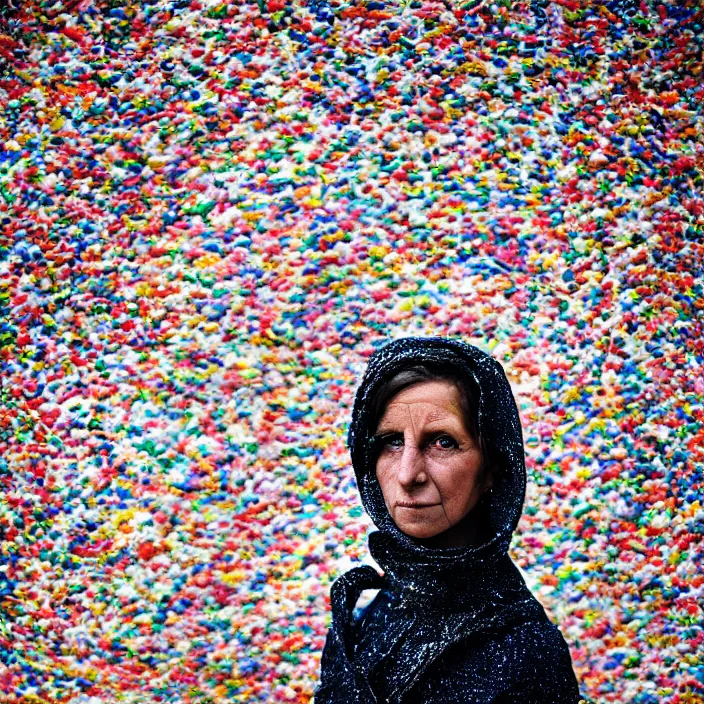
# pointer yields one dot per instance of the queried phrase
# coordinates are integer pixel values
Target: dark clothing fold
(451, 624)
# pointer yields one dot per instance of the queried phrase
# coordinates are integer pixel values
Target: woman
(436, 445)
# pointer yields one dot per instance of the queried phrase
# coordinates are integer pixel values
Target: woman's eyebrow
(437, 416)
(384, 427)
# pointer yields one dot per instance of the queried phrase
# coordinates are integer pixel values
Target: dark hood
(431, 599)
(498, 424)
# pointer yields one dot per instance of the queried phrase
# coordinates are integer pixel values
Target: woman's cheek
(382, 476)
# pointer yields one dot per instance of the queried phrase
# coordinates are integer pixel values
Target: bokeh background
(213, 212)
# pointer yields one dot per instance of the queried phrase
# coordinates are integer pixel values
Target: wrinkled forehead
(426, 403)
(458, 358)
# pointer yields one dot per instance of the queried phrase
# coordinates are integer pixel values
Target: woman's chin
(420, 531)
(433, 536)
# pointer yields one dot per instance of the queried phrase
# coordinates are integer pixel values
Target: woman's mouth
(414, 504)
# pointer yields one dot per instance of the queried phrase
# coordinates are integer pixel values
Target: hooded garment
(448, 624)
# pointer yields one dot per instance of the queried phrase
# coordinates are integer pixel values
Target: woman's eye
(389, 440)
(446, 442)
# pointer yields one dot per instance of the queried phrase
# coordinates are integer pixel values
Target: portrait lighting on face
(430, 468)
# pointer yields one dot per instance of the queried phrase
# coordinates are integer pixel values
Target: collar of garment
(446, 581)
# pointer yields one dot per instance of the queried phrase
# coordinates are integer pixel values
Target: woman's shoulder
(527, 662)
(526, 650)
(526, 637)
(536, 631)
(534, 645)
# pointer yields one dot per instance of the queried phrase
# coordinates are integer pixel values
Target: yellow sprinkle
(57, 123)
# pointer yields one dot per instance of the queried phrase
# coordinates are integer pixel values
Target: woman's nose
(411, 470)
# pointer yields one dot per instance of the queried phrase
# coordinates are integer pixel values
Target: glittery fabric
(448, 625)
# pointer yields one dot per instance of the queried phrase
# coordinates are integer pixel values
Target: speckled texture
(209, 216)
(447, 625)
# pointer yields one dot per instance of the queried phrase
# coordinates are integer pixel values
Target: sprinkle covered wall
(211, 214)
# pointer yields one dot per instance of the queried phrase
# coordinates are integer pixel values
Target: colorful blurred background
(211, 213)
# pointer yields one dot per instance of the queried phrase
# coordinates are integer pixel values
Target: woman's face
(430, 468)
